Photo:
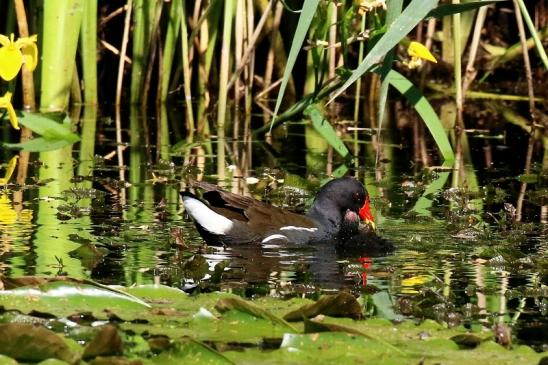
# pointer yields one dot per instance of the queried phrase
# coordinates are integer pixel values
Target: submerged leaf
(340, 305)
(106, 342)
(26, 342)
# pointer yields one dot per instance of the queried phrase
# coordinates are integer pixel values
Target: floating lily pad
(62, 298)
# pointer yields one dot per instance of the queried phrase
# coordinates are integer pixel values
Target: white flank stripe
(211, 221)
(274, 237)
(294, 228)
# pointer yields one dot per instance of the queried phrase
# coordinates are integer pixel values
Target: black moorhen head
(227, 218)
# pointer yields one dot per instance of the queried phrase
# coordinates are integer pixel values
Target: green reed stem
(88, 51)
(59, 45)
(458, 93)
(143, 15)
(223, 83)
(170, 45)
(186, 69)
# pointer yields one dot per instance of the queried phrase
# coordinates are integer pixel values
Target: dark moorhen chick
(229, 218)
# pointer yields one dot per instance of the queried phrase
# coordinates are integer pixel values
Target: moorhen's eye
(357, 197)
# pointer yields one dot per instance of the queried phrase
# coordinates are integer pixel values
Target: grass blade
(307, 13)
(325, 129)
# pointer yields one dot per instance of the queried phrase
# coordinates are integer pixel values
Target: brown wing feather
(260, 216)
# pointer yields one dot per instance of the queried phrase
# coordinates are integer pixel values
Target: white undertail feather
(210, 220)
(276, 236)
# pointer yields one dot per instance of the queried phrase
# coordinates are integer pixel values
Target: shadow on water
(453, 261)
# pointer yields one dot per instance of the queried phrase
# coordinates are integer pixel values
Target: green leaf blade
(324, 128)
(307, 14)
(47, 127)
(425, 110)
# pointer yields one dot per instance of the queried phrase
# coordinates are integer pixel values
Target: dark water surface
(459, 259)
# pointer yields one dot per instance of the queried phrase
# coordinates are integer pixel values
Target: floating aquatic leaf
(107, 342)
(27, 342)
(339, 305)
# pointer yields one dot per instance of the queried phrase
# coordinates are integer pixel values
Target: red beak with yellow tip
(365, 213)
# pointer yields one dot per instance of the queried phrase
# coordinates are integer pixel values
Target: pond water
(459, 258)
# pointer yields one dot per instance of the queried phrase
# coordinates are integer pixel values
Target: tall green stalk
(143, 20)
(59, 44)
(457, 70)
(186, 69)
(88, 51)
(170, 45)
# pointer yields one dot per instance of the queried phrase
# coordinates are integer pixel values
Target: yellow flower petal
(28, 48)
(418, 50)
(11, 60)
(30, 56)
(5, 102)
(4, 41)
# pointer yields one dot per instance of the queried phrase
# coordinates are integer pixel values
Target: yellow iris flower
(14, 53)
(418, 52)
(5, 103)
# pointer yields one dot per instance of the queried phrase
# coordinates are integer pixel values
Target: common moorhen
(228, 219)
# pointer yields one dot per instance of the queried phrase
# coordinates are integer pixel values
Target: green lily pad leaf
(26, 342)
(62, 298)
(107, 342)
(228, 304)
(157, 293)
(334, 346)
(340, 305)
(189, 351)
(47, 126)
